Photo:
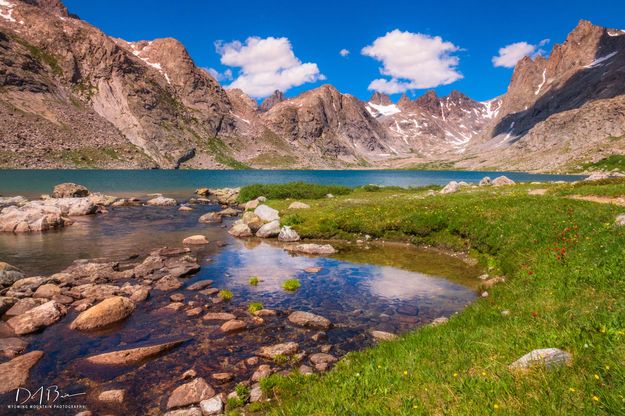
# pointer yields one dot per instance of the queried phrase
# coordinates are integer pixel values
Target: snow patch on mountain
(378, 110)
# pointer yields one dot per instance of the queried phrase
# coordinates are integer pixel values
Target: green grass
(565, 268)
(254, 307)
(608, 164)
(611, 187)
(291, 285)
(294, 190)
(226, 295)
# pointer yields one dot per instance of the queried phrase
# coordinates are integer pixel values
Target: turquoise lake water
(181, 182)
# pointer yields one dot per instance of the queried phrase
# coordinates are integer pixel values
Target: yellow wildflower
(595, 398)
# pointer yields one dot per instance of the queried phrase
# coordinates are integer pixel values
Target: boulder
(47, 291)
(273, 351)
(131, 356)
(253, 204)
(287, 234)
(211, 217)
(502, 180)
(252, 220)
(72, 207)
(69, 190)
(263, 371)
(620, 220)
(451, 187)
(256, 393)
(195, 240)
(228, 212)
(161, 201)
(322, 358)
(10, 347)
(212, 407)
(7, 201)
(108, 311)
(24, 305)
(298, 205)
(266, 213)
(269, 230)
(30, 218)
(103, 200)
(240, 230)
(190, 393)
(9, 274)
(547, 357)
(14, 373)
(168, 283)
(310, 320)
(37, 318)
(485, 181)
(315, 249)
(6, 303)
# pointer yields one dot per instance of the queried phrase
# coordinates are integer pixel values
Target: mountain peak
(380, 99)
(273, 99)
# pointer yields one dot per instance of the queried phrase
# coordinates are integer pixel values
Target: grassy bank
(565, 269)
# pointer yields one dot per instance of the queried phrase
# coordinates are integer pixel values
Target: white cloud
(266, 65)
(413, 61)
(220, 76)
(511, 54)
(344, 52)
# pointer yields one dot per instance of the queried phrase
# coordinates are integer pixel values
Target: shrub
(254, 307)
(291, 285)
(295, 190)
(226, 295)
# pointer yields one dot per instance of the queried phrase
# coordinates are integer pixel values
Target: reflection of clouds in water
(391, 283)
(271, 264)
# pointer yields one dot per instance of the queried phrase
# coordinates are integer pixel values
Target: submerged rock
(383, 336)
(108, 311)
(287, 234)
(233, 325)
(316, 249)
(547, 357)
(190, 393)
(161, 201)
(132, 355)
(266, 213)
(69, 190)
(195, 240)
(112, 396)
(10, 347)
(309, 320)
(272, 351)
(211, 217)
(37, 318)
(14, 373)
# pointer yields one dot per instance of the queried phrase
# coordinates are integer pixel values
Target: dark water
(176, 183)
(379, 287)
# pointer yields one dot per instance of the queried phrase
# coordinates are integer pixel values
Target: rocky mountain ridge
(71, 96)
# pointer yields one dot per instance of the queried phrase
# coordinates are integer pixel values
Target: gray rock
(485, 181)
(272, 351)
(383, 336)
(269, 230)
(212, 407)
(547, 357)
(451, 187)
(502, 180)
(266, 213)
(256, 393)
(439, 321)
(287, 234)
(69, 190)
(298, 205)
(620, 220)
(161, 201)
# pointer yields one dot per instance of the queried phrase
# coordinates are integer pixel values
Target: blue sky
(309, 35)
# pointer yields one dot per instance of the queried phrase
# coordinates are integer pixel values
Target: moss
(226, 295)
(254, 307)
(291, 285)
